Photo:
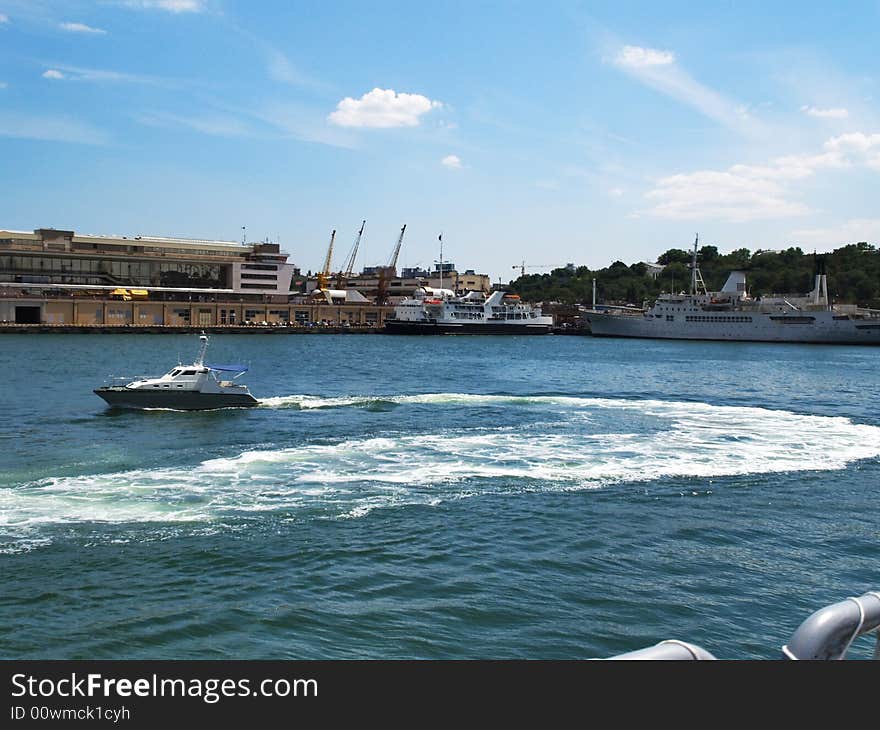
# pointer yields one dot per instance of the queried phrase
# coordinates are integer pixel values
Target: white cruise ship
(440, 312)
(731, 314)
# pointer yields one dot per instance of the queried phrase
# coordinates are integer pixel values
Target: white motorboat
(185, 387)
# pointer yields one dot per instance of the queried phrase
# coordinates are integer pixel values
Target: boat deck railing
(125, 379)
(827, 634)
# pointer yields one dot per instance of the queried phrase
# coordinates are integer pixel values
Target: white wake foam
(588, 448)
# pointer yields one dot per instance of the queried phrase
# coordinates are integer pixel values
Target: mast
(441, 265)
(696, 276)
(203, 338)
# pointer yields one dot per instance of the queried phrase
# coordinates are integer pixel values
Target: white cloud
(835, 113)
(616, 192)
(852, 231)
(637, 57)
(724, 195)
(382, 108)
(281, 69)
(451, 161)
(854, 148)
(751, 192)
(81, 28)
(172, 6)
(217, 124)
(660, 71)
(4, 18)
(55, 128)
(3, 85)
(304, 123)
(97, 75)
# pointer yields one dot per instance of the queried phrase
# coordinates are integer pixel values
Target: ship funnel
(735, 284)
(819, 294)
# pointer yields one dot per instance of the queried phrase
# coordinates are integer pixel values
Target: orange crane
(345, 274)
(389, 272)
(324, 274)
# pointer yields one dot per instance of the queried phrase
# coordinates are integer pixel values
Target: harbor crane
(522, 267)
(394, 256)
(324, 274)
(390, 271)
(345, 274)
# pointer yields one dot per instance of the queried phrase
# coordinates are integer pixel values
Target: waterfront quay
(177, 311)
(259, 329)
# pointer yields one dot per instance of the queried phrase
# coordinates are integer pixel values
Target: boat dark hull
(397, 327)
(179, 401)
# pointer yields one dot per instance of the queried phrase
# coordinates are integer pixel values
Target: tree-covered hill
(853, 276)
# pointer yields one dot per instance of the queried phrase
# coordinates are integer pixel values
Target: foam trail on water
(310, 402)
(599, 441)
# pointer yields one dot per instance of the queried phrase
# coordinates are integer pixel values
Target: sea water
(434, 497)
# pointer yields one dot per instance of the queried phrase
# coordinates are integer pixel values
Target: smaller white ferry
(441, 312)
(193, 387)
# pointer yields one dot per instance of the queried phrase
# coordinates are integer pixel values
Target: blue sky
(548, 132)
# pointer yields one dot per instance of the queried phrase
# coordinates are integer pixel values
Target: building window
(245, 275)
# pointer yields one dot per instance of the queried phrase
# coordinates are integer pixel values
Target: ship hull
(398, 327)
(815, 328)
(120, 397)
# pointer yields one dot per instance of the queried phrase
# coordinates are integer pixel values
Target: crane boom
(390, 271)
(324, 274)
(349, 267)
(393, 263)
(344, 274)
(522, 267)
(326, 268)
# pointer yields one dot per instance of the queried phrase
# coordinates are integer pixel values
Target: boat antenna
(441, 265)
(203, 338)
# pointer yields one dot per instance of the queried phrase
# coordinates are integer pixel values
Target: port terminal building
(60, 277)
